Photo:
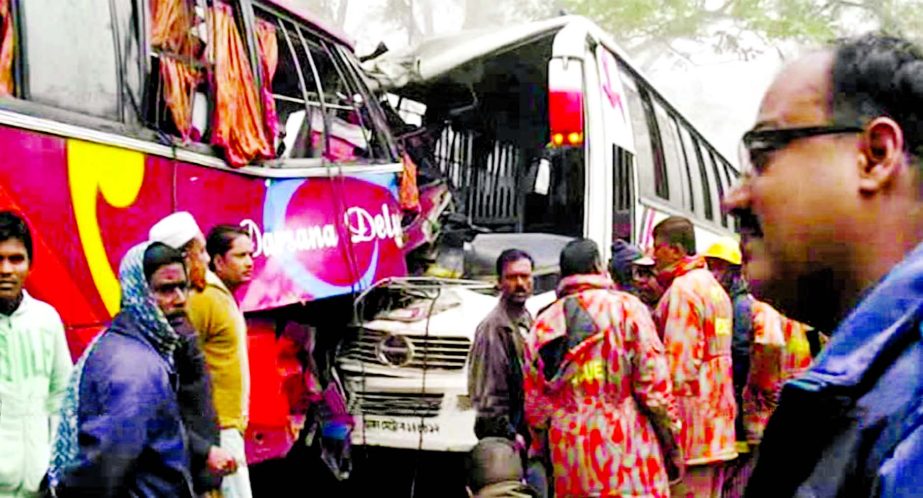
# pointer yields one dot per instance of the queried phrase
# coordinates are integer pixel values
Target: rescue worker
(35, 365)
(724, 261)
(695, 320)
(597, 382)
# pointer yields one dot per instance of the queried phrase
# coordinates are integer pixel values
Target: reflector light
(565, 102)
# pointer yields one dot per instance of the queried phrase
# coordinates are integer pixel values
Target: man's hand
(220, 462)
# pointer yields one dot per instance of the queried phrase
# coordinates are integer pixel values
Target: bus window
(707, 191)
(349, 136)
(719, 181)
(673, 158)
(8, 46)
(714, 180)
(70, 53)
(372, 113)
(621, 193)
(696, 179)
(176, 99)
(661, 178)
(294, 92)
(644, 154)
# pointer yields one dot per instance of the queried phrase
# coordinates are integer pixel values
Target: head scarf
(138, 302)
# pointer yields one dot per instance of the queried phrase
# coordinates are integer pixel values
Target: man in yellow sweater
(214, 313)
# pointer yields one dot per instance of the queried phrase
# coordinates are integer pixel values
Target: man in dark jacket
(208, 460)
(831, 206)
(194, 395)
(495, 371)
(121, 433)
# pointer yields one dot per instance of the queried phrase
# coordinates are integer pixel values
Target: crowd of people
(656, 375)
(670, 374)
(157, 403)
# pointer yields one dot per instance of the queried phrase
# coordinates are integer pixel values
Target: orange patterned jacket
(694, 318)
(596, 382)
(780, 352)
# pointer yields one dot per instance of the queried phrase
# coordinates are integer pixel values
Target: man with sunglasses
(831, 210)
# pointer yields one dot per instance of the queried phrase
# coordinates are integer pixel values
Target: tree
(644, 26)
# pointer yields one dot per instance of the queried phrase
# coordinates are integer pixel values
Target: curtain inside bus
(269, 61)
(171, 34)
(237, 124)
(6, 47)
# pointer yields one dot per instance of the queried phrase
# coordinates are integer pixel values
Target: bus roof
(433, 58)
(307, 16)
(439, 55)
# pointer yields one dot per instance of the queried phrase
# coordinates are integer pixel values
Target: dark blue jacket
(197, 407)
(740, 348)
(131, 437)
(853, 424)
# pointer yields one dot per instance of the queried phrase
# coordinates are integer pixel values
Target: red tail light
(565, 102)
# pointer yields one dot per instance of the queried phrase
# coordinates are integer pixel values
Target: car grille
(396, 404)
(447, 353)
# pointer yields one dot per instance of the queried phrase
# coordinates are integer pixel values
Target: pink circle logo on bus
(395, 350)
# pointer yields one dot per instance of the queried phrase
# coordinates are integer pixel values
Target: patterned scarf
(138, 302)
(678, 269)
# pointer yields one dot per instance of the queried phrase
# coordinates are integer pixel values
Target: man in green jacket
(35, 366)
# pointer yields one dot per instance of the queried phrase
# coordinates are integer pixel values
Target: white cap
(175, 230)
(644, 260)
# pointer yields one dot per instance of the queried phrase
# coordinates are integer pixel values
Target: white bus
(542, 132)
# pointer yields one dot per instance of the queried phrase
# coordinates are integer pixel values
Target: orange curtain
(269, 61)
(172, 33)
(179, 82)
(409, 194)
(237, 126)
(6, 48)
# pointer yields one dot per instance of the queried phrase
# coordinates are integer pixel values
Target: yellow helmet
(726, 249)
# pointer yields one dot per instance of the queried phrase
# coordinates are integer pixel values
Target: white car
(407, 370)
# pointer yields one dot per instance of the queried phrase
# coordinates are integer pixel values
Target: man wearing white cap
(209, 461)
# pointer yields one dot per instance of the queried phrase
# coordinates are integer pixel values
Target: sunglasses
(757, 146)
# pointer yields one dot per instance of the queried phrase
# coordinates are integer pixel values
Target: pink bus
(114, 114)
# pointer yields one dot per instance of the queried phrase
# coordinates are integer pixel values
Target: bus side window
(714, 181)
(383, 145)
(622, 194)
(719, 181)
(294, 92)
(700, 203)
(9, 67)
(673, 158)
(349, 134)
(644, 154)
(661, 178)
(706, 180)
(176, 95)
(69, 49)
